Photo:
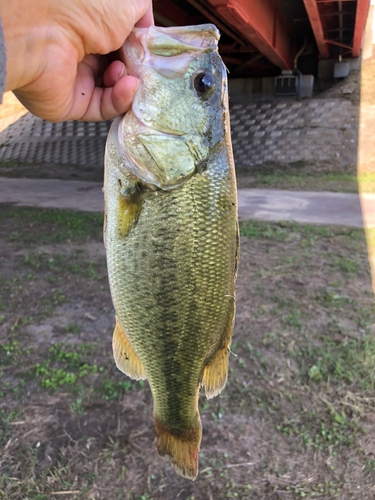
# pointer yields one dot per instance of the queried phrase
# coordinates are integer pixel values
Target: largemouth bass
(171, 229)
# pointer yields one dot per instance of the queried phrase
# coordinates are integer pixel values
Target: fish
(171, 230)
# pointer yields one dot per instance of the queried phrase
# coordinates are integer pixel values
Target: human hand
(61, 60)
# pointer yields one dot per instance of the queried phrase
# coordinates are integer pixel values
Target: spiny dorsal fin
(125, 358)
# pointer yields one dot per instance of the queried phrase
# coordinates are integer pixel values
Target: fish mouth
(162, 48)
(164, 160)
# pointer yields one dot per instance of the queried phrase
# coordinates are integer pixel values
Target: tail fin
(182, 448)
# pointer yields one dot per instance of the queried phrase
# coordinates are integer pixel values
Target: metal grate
(286, 85)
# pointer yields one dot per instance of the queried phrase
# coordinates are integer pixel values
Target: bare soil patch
(344, 88)
(296, 419)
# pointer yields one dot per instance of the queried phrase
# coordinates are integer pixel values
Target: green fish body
(171, 230)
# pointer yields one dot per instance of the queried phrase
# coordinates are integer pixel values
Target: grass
(305, 176)
(9, 163)
(59, 263)
(6, 419)
(51, 226)
(339, 183)
(307, 234)
(67, 367)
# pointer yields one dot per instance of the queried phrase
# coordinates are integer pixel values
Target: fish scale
(172, 259)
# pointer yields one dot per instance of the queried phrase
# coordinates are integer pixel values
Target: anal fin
(215, 374)
(125, 358)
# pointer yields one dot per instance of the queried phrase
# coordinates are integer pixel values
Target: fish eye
(204, 82)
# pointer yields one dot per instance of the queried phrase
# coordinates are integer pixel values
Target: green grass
(325, 182)
(57, 264)
(6, 419)
(348, 363)
(305, 176)
(71, 367)
(110, 389)
(7, 164)
(64, 365)
(307, 233)
(51, 226)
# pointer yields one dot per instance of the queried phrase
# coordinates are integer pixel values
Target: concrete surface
(258, 204)
(290, 131)
(277, 131)
(301, 206)
(52, 193)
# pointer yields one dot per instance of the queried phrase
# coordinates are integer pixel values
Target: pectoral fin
(129, 208)
(215, 374)
(126, 359)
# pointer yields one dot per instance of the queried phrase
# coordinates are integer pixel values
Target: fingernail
(122, 73)
(136, 81)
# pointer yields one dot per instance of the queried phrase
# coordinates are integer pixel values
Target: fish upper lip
(144, 129)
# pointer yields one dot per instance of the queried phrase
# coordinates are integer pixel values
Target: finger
(92, 62)
(110, 102)
(147, 20)
(113, 73)
(123, 93)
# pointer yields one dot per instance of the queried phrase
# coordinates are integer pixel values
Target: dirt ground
(348, 88)
(296, 419)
